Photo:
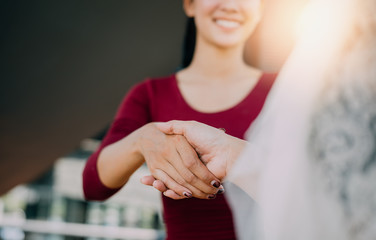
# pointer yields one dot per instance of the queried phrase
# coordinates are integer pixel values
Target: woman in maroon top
(217, 88)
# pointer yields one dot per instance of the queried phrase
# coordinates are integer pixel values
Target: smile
(227, 23)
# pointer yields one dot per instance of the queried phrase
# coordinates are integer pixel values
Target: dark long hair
(189, 42)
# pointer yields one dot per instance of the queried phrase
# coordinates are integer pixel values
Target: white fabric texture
(311, 163)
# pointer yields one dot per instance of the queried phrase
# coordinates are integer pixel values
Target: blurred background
(64, 68)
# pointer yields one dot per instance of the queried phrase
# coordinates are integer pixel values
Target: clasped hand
(188, 159)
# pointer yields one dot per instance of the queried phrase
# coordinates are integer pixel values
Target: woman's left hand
(160, 186)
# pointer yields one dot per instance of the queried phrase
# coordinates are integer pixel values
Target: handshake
(188, 159)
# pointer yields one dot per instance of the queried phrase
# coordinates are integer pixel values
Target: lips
(225, 23)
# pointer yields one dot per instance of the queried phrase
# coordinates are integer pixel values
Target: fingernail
(187, 194)
(222, 129)
(212, 196)
(221, 191)
(215, 183)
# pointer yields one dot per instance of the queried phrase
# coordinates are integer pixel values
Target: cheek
(206, 3)
(252, 3)
(205, 7)
(203, 13)
(251, 7)
(252, 12)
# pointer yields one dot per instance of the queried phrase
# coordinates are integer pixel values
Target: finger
(221, 190)
(182, 174)
(173, 180)
(160, 186)
(147, 180)
(172, 184)
(194, 171)
(171, 194)
(162, 170)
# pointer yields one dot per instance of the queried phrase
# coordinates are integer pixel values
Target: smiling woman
(217, 87)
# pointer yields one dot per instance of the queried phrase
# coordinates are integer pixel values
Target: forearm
(118, 161)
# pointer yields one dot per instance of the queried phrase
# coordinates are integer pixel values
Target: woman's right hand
(172, 160)
(217, 150)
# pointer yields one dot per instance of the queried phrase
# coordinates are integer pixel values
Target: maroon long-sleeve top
(160, 100)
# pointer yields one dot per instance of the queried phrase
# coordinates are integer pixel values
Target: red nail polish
(221, 191)
(222, 129)
(212, 196)
(215, 183)
(187, 194)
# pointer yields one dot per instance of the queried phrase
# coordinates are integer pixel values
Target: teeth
(227, 23)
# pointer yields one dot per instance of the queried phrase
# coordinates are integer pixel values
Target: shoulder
(270, 76)
(151, 89)
(160, 82)
(267, 80)
(150, 85)
(158, 86)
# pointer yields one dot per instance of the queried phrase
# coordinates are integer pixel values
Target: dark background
(66, 65)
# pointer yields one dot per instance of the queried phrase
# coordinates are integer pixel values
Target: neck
(217, 63)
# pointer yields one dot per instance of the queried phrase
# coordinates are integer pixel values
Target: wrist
(118, 161)
(139, 139)
(143, 138)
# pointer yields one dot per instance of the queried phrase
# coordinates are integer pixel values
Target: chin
(229, 43)
(229, 40)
